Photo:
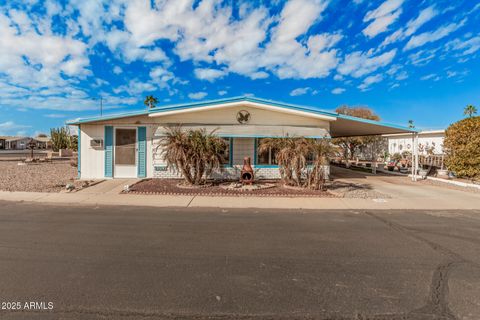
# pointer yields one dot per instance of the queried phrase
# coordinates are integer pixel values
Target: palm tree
(470, 110)
(194, 153)
(411, 125)
(292, 153)
(150, 101)
(322, 151)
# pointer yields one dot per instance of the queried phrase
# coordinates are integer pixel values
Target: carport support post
(415, 156)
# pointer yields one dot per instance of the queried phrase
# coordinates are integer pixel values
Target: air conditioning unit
(96, 143)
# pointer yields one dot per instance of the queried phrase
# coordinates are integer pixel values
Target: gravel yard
(44, 177)
(170, 186)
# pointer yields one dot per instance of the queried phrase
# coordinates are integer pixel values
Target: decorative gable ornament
(243, 116)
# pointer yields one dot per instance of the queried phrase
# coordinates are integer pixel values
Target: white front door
(125, 155)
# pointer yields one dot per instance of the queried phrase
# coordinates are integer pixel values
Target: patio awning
(347, 126)
(258, 131)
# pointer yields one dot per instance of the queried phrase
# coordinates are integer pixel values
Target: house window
(265, 158)
(226, 155)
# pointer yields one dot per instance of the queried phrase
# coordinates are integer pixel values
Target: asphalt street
(160, 263)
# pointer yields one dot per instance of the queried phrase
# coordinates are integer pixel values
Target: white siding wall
(93, 160)
(243, 147)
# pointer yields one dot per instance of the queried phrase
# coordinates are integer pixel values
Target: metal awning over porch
(258, 131)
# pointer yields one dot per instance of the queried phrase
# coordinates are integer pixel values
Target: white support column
(415, 156)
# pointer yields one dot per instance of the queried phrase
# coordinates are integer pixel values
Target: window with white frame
(267, 157)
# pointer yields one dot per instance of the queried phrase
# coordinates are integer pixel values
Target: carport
(348, 126)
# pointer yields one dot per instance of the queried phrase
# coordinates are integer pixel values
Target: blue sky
(404, 59)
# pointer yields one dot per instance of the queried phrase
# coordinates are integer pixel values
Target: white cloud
(300, 91)
(37, 60)
(431, 36)
(412, 26)
(422, 57)
(431, 76)
(338, 90)
(12, 128)
(117, 70)
(358, 64)
(197, 95)
(222, 92)
(464, 47)
(368, 81)
(135, 87)
(288, 58)
(386, 14)
(209, 74)
(55, 115)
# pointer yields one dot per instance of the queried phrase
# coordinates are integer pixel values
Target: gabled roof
(341, 125)
(195, 105)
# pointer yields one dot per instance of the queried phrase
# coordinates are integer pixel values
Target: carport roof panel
(348, 126)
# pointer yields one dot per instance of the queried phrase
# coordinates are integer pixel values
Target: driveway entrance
(398, 187)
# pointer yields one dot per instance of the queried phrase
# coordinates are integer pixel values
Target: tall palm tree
(150, 101)
(411, 124)
(470, 110)
(194, 153)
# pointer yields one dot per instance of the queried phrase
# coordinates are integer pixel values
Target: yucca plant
(193, 153)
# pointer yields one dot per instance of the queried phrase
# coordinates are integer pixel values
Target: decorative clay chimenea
(246, 175)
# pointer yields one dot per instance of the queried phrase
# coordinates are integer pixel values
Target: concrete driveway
(402, 188)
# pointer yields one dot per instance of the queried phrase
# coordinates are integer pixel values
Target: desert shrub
(62, 139)
(194, 153)
(293, 155)
(462, 148)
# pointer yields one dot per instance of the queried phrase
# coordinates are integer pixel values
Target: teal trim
(255, 144)
(79, 153)
(108, 151)
(230, 152)
(142, 152)
(192, 105)
(106, 117)
(264, 136)
(266, 166)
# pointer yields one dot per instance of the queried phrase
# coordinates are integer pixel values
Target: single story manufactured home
(16, 143)
(427, 140)
(127, 145)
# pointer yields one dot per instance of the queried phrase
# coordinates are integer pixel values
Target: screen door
(125, 153)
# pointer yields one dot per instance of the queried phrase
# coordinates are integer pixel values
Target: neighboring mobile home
(127, 145)
(398, 143)
(16, 143)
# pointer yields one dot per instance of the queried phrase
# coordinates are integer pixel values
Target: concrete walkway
(404, 195)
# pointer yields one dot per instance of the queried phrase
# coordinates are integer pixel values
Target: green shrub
(462, 148)
(61, 139)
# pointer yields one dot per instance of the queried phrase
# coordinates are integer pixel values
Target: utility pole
(101, 106)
